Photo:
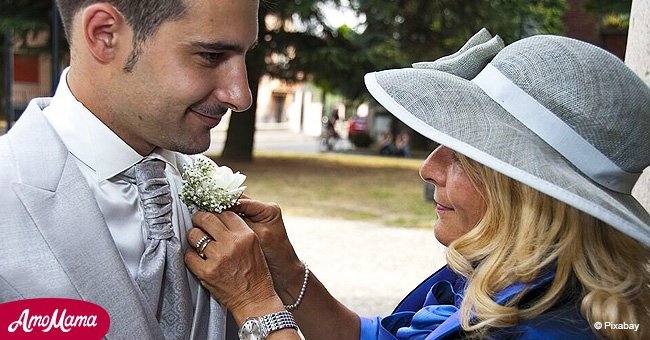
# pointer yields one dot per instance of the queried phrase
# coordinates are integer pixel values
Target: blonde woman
(541, 144)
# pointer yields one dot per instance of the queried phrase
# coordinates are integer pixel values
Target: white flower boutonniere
(211, 188)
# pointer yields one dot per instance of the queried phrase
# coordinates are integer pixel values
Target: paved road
(277, 140)
(369, 267)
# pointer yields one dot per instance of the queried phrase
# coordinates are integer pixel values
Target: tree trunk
(637, 58)
(241, 131)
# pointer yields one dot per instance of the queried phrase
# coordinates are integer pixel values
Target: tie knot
(155, 197)
(149, 168)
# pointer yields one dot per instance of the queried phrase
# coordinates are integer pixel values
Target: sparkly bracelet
(295, 305)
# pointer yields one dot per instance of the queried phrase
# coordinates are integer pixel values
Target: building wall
(32, 76)
(292, 106)
(580, 24)
(24, 88)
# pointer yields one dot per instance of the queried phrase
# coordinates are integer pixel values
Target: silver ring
(201, 240)
(203, 246)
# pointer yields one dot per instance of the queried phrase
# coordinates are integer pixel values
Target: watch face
(251, 330)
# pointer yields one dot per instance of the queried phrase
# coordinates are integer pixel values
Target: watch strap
(279, 320)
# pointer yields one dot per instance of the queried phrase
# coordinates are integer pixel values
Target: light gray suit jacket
(54, 241)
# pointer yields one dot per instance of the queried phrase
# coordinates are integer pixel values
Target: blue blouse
(431, 311)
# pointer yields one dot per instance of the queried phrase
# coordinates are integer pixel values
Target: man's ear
(104, 31)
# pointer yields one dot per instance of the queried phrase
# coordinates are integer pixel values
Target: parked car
(358, 132)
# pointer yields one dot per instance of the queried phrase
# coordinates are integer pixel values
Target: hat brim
(456, 113)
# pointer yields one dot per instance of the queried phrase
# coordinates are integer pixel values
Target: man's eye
(211, 57)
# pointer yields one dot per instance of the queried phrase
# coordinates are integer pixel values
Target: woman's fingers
(233, 268)
(194, 263)
(209, 223)
(202, 243)
(232, 222)
(256, 211)
(215, 224)
(210, 227)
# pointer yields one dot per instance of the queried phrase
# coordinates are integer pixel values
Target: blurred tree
(293, 38)
(401, 32)
(24, 16)
(426, 30)
(298, 45)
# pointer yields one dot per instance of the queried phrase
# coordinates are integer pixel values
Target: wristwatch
(258, 328)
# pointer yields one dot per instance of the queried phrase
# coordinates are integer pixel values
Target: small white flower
(211, 188)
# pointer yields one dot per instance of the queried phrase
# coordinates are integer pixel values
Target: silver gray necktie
(161, 274)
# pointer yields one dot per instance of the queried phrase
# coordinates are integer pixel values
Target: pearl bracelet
(295, 305)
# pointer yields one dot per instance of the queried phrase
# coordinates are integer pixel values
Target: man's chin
(191, 147)
(194, 150)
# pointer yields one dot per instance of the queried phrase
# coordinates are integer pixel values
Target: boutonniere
(209, 187)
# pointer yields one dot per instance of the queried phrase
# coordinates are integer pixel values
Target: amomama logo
(52, 318)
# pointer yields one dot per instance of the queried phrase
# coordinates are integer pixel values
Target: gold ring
(202, 248)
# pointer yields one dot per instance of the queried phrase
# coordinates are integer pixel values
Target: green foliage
(615, 21)
(296, 44)
(23, 16)
(426, 30)
(400, 32)
(614, 15)
(604, 7)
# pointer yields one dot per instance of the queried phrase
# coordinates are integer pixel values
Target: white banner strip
(554, 131)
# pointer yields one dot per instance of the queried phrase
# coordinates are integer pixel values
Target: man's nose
(233, 89)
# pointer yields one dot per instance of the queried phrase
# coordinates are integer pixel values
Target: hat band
(554, 131)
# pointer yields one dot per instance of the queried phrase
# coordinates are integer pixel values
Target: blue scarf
(431, 311)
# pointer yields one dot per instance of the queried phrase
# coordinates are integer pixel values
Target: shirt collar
(90, 140)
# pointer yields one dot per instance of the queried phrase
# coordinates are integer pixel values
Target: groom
(82, 173)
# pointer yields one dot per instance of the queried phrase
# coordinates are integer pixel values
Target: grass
(352, 187)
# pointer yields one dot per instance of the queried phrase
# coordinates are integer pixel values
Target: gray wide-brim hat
(559, 115)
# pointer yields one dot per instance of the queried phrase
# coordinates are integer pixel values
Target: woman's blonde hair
(525, 232)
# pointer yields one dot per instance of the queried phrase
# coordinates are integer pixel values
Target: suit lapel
(64, 210)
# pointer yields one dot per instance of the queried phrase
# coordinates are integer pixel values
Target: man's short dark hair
(144, 17)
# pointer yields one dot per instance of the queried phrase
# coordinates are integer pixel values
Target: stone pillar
(637, 58)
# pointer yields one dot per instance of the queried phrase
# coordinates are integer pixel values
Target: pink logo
(52, 318)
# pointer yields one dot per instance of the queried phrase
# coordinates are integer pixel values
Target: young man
(147, 81)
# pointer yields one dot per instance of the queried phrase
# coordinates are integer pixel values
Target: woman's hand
(234, 269)
(320, 315)
(265, 219)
